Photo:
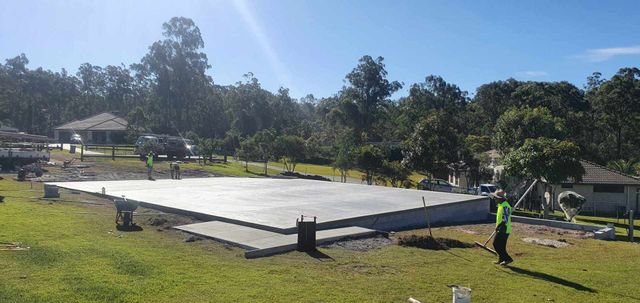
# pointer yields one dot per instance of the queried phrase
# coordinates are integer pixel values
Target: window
(608, 188)
(567, 185)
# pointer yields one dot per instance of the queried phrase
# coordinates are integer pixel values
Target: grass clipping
(432, 243)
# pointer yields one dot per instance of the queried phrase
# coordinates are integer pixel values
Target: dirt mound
(432, 243)
(548, 242)
(361, 244)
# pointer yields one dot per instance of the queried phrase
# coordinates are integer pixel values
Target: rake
(484, 245)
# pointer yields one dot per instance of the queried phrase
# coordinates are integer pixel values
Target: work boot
(507, 262)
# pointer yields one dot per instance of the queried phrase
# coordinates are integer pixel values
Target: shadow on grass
(552, 279)
(320, 256)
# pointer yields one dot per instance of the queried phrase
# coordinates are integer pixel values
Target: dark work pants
(500, 245)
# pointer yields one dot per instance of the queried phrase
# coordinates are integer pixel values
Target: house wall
(600, 204)
(459, 179)
(93, 137)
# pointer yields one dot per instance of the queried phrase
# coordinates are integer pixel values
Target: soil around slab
(432, 243)
(360, 244)
(548, 242)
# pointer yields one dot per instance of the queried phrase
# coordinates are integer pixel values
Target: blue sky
(309, 46)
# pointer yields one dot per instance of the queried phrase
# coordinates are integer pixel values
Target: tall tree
(369, 88)
(433, 145)
(617, 106)
(433, 94)
(518, 124)
(177, 69)
(490, 101)
(549, 160)
(291, 150)
(370, 159)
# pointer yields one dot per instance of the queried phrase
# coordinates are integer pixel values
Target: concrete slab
(260, 243)
(243, 236)
(274, 204)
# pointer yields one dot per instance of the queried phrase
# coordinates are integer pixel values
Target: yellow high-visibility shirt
(149, 160)
(504, 215)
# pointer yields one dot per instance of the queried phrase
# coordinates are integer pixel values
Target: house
(608, 192)
(459, 173)
(104, 128)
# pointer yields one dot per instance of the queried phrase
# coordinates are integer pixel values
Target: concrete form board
(555, 223)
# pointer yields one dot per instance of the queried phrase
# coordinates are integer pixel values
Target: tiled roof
(101, 122)
(598, 174)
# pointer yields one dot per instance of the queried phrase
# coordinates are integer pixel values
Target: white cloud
(532, 74)
(604, 54)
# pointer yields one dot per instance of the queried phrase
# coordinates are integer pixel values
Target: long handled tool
(426, 214)
(484, 245)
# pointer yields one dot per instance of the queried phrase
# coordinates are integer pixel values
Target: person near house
(150, 166)
(503, 227)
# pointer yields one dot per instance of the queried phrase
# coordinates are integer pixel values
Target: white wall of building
(599, 203)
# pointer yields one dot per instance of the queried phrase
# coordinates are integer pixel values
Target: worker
(503, 227)
(175, 170)
(150, 166)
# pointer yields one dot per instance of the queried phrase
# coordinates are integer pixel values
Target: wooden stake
(426, 214)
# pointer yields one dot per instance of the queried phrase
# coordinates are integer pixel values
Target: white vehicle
(486, 189)
(435, 185)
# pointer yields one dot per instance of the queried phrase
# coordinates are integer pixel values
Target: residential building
(104, 128)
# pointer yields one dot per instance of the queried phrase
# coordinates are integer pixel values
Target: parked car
(76, 138)
(179, 148)
(486, 189)
(172, 147)
(435, 185)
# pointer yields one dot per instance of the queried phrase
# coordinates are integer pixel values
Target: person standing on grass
(503, 227)
(150, 166)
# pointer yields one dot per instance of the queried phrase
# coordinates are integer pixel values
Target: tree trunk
(619, 144)
(548, 196)
(225, 158)
(265, 167)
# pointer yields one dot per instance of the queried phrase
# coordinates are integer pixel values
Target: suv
(172, 147)
(179, 147)
(148, 139)
(435, 185)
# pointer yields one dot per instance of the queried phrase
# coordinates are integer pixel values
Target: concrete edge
(240, 245)
(338, 223)
(258, 253)
(556, 224)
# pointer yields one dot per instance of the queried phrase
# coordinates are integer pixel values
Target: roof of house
(22, 137)
(9, 129)
(598, 174)
(99, 122)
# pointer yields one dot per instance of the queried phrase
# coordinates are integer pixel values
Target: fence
(107, 151)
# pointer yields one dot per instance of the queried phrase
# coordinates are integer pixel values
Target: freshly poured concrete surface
(274, 204)
(260, 242)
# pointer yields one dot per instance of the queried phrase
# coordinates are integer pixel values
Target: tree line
(437, 127)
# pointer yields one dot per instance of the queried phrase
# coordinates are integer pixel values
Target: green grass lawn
(76, 255)
(315, 169)
(234, 169)
(327, 170)
(230, 169)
